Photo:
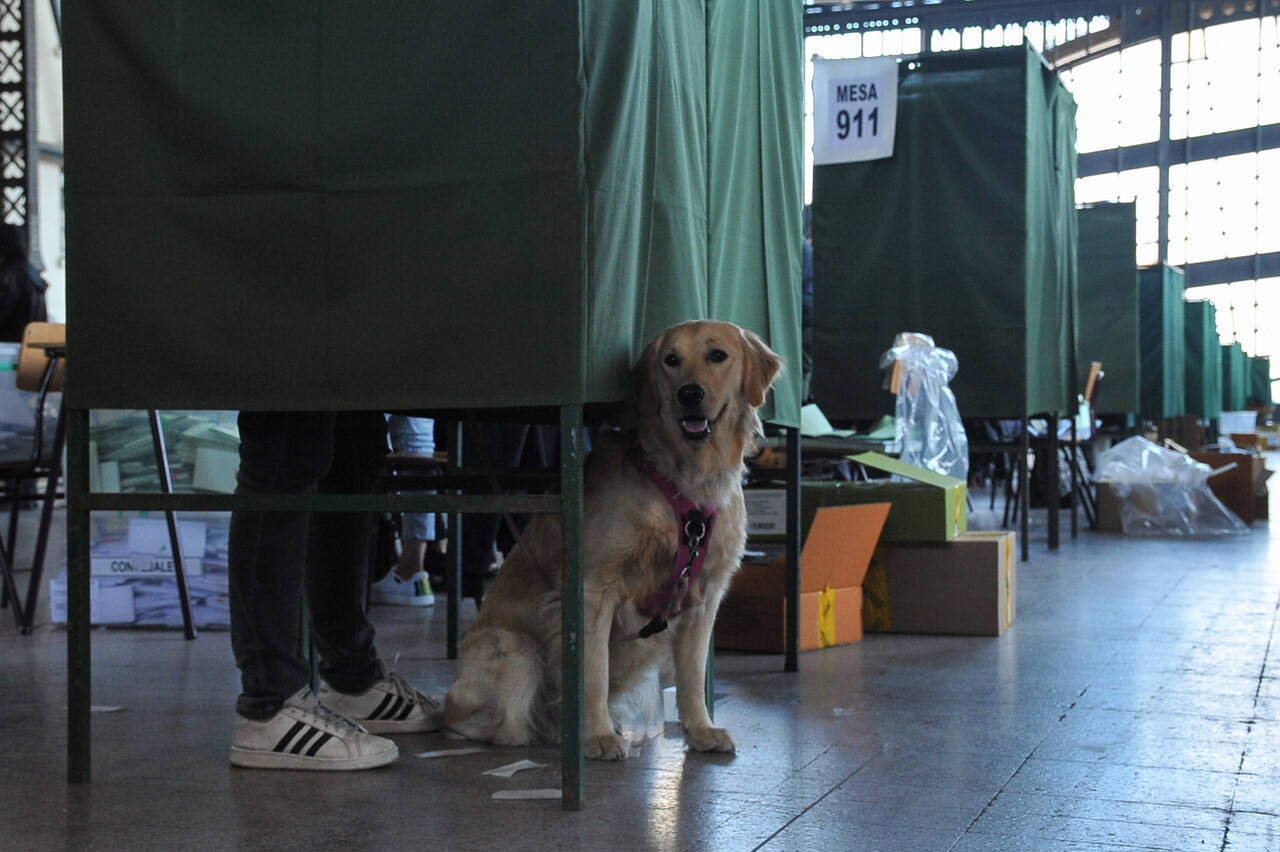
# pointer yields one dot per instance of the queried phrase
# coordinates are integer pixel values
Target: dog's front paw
(608, 746)
(709, 739)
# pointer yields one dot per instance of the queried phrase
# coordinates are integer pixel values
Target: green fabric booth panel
(408, 205)
(1236, 377)
(967, 233)
(1108, 297)
(1203, 361)
(1260, 380)
(1162, 341)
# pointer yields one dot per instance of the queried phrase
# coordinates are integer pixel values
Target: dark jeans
(275, 557)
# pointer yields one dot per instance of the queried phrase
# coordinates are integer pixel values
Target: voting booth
(426, 207)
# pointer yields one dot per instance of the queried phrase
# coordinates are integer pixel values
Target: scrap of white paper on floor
(452, 752)
(527, 794)
(512, 768)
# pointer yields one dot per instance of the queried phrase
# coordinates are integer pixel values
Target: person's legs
(354, 681)
(412, 436)
(338, 557)
(280, 453)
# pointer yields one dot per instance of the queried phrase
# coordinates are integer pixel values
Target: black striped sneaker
(305, 734)
(390, 706)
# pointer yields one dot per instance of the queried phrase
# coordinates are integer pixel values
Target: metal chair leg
(46, 523)
(166, 487)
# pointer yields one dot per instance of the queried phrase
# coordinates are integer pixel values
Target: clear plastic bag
(1163, 492)
(929, 431)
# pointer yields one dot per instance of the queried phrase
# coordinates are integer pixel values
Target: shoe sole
(255, 759)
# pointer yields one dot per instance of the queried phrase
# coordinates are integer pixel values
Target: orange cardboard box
(836, 554)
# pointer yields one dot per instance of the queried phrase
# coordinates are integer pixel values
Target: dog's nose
(690, 395)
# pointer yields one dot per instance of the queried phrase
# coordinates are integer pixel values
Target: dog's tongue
(694, 425)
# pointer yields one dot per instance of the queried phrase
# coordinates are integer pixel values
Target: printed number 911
(846, 123)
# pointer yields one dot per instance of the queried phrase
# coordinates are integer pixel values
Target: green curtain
(755, 178)
(1260, 380)
(1162, 341)
(329, 204)
(1236, 377)
(967, 233)
(1108, 291)
(1203, 361)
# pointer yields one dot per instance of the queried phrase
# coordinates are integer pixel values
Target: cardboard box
(1247, 440)
(142, 565)
(929, 507)
(108, 603)
(1236, 488)
(1108, 509)
(966, 586)
(150, 536)
(837, 551)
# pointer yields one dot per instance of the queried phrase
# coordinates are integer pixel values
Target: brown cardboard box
(966, 586)
(1236, 488)
(1248, 440)
(836, 554)
(1108, 509)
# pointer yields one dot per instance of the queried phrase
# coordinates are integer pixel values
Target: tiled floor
(1135, 704)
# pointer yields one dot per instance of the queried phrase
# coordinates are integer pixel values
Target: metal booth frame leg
(573, 618)
(79, 670)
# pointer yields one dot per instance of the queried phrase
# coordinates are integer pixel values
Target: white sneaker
(390, 706)
(416, 591)
(305, 734)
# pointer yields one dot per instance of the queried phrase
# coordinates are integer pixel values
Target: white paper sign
(855, 109)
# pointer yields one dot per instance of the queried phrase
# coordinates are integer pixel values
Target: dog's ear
(643, 385)
(760, 367)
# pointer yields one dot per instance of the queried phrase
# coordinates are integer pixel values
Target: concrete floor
(1134, 704)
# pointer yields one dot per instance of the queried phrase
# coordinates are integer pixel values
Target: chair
(40, 368)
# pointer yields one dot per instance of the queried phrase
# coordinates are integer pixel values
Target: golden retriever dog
(651, 588)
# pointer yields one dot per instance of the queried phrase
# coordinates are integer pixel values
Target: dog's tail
(504, 693)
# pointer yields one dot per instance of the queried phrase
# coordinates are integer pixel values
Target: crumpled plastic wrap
(1163, 492)
(930, 433)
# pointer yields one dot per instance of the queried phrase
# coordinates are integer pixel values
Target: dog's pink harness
(694, 523)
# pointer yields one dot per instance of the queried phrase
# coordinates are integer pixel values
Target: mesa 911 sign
(855, 109)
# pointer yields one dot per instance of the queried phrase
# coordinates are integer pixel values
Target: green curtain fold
(1108, 283)
(1260, 380)
(1203, 361)
(1163, 342)
(1236, 377)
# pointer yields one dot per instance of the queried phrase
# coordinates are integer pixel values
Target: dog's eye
(718, 355)
(671, 360)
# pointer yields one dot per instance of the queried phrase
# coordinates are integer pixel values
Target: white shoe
(306, 734)
(416, 591)
(390, 706)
